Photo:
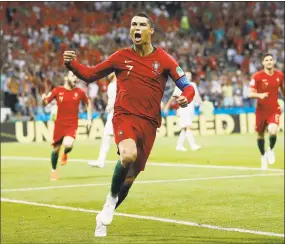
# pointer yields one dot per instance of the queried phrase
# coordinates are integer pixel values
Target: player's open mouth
(138, 37)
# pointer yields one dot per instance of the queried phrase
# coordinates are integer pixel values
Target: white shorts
(108, 129)
(186, 116)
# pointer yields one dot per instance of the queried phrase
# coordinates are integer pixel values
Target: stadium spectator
(205, 37)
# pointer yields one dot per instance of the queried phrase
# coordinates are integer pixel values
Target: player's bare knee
(128, 155)
(272, 129)
(68, 142)
(260, 135)
(56, 148)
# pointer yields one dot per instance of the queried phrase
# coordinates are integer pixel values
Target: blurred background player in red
(142, 71)
(68, 99)
(264, 86)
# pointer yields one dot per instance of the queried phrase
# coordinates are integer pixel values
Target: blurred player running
(186, 116)
(108, 129)
(68, 99)
(141, 71)
(264, 86)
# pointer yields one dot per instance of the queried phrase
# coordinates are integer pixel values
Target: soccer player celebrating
(68, 99)
(186, 116)
(108, 129)
(141, 72)
(264, 86)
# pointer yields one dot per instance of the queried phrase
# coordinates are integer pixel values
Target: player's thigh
(126, 138)
(58, 134)
(185, 120)
(260, 122)
(145, 143)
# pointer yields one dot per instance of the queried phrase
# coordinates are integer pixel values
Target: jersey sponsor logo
(61, 93)
(179, 71)
(264, 80)
(252, 82)
(128, 61)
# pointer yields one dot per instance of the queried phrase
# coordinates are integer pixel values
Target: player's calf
(272, 129)
(54, 159)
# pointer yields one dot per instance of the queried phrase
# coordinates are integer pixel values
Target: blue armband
(182, 82)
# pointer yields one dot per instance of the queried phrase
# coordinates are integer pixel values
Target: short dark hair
(143, 14)
(266, 55)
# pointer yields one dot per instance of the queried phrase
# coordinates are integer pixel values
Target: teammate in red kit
(141, 72)
(68, 99)
(265, 85)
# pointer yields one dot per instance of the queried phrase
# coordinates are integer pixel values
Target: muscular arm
(90, 74)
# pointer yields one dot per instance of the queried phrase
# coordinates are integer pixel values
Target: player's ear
(151, 30)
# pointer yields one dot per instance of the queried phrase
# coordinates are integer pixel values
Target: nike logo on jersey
(128, 61)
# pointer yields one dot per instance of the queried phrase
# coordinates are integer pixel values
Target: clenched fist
(68, 56)
(181, 100)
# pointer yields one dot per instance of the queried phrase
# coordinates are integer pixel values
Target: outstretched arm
(85, 73)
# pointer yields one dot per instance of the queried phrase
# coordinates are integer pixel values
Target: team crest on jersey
(155, 66)
(278, 80)
(75, 95)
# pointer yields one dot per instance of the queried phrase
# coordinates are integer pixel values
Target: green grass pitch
(181, 197)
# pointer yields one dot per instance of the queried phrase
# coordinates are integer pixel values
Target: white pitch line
(165, 164)
(165, 220)
(142, 182)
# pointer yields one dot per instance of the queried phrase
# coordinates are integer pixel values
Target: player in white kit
(186, 116)
(108, 129)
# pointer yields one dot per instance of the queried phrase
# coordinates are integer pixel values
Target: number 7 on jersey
(130, 68)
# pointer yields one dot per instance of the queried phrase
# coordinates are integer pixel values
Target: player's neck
(67, 87)
(269, 71)
(144, 50)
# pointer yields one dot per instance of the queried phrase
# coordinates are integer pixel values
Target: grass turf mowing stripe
(188, 223)
(162, 164)
(142, 182)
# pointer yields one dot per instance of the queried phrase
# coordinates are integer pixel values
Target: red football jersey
(262, 83)
(140, 80)
(67, 103)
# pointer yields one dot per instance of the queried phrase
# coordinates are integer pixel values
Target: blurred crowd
(219, 42)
